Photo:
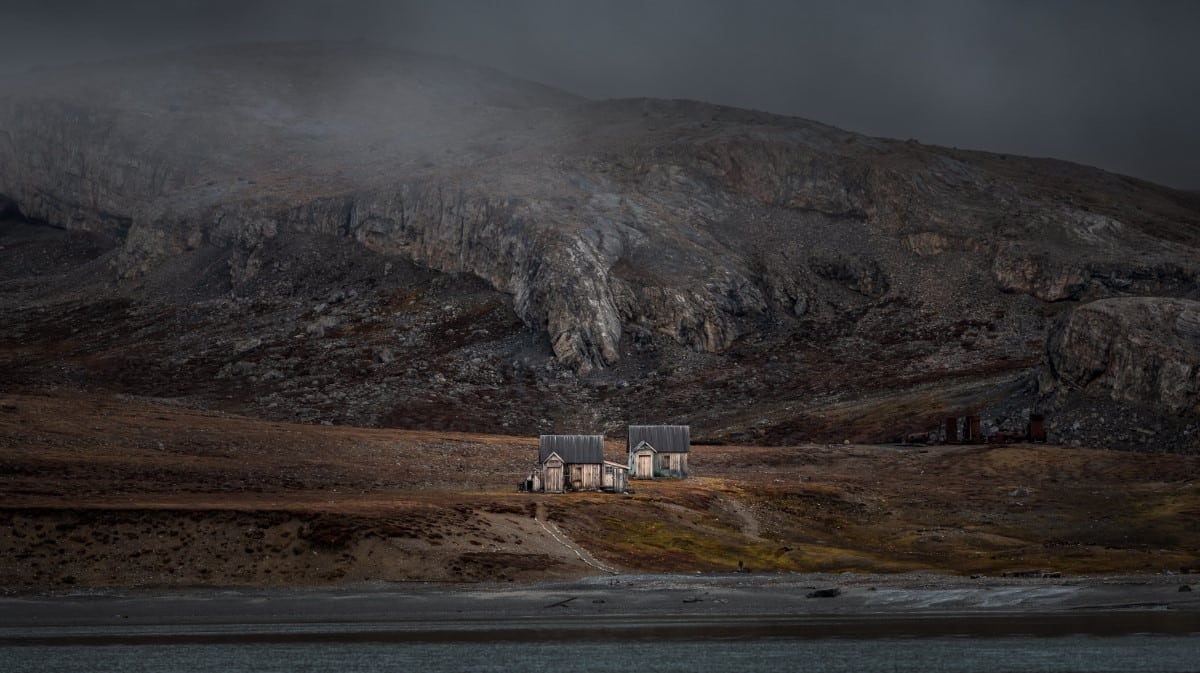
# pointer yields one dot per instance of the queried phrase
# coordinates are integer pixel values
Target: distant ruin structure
(969, 430)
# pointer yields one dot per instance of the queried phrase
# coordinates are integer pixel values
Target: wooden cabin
(659, 451)
(571, 463)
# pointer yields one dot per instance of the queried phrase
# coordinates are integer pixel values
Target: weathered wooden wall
(673, 465)
(585, 476)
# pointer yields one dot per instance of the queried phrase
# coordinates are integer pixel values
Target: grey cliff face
(824, 261)
(1136, 349)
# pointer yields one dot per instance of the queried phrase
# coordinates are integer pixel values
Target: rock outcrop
(1135, 349)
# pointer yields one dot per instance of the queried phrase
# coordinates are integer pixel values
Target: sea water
(352, 649)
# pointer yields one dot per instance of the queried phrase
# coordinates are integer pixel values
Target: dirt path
(565, 541)
(743, 513)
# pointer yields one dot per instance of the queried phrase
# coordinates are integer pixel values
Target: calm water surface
(860, 645)
(935, 655)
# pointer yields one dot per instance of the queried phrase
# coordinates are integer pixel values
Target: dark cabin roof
(664, 438)
(573, 449)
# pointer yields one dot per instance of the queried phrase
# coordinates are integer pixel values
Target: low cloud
(1111, 84)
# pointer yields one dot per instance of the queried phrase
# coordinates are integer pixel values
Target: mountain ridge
(608, 225)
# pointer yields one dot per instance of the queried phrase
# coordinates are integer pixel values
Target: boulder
(1144, 350)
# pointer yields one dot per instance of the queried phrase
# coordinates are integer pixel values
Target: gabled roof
(664, 438)
(643, 446)
(573, 449)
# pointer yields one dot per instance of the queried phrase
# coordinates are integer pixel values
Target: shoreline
(612, 607)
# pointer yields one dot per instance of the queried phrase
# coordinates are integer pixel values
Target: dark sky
(1111, 84)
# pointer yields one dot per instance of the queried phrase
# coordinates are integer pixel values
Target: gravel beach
(820, 604)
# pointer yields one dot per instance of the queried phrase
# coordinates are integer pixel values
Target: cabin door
(645, 465)
(554, 479)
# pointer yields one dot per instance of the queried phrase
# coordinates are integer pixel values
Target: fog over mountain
(1109, 84)
(354, 234)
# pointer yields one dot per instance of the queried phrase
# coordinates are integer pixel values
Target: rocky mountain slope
(350, 234)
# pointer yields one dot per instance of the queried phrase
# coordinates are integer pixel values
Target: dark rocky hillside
(345, 234)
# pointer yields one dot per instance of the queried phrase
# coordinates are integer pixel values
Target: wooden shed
(570, 463)
(616, 477)
(659, 451)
